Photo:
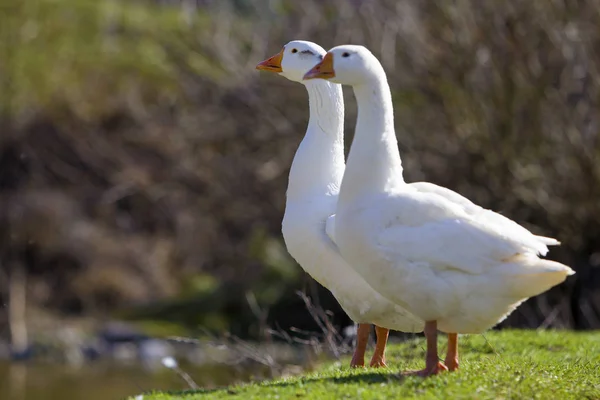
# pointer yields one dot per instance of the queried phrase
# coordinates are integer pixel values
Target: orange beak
(323, 70)
(272, 64)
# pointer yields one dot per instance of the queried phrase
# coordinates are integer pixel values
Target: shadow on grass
(371, 378)
(188, 392)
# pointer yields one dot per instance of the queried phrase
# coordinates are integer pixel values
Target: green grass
(502, 365)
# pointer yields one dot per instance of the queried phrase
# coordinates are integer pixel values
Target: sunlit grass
(502, 365)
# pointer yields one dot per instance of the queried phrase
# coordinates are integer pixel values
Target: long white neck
(318, 165)
(374, 164)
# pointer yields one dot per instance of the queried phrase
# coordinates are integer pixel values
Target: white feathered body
(450, 261)
(312, 195)
(308, 243)
(426, 248)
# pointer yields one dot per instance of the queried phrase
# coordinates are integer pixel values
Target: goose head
(294, 59)
(348, 65)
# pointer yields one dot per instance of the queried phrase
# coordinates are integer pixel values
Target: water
(105, 381)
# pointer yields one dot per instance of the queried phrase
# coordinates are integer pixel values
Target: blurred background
(144, 162)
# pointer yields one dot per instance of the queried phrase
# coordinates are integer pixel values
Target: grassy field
(500, 365)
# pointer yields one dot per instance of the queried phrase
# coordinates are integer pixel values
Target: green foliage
(70, 51)
(200, 284)
(498, 365)
(161, 329)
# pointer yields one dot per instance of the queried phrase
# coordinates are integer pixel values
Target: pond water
(103, 381)
(106, 380)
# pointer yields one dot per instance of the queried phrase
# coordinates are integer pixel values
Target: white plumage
(314, 181)
(428, 249)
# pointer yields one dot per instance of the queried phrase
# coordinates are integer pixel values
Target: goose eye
(345, 54)
(294, 50)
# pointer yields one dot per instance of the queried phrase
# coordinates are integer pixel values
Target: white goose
(314, 181)
(455, 265)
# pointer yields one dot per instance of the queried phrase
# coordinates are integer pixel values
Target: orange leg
(378, 359)
(432, 364)
(362, 338)
(452, 354)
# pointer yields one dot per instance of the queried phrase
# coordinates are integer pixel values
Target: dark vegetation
(143, 160)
